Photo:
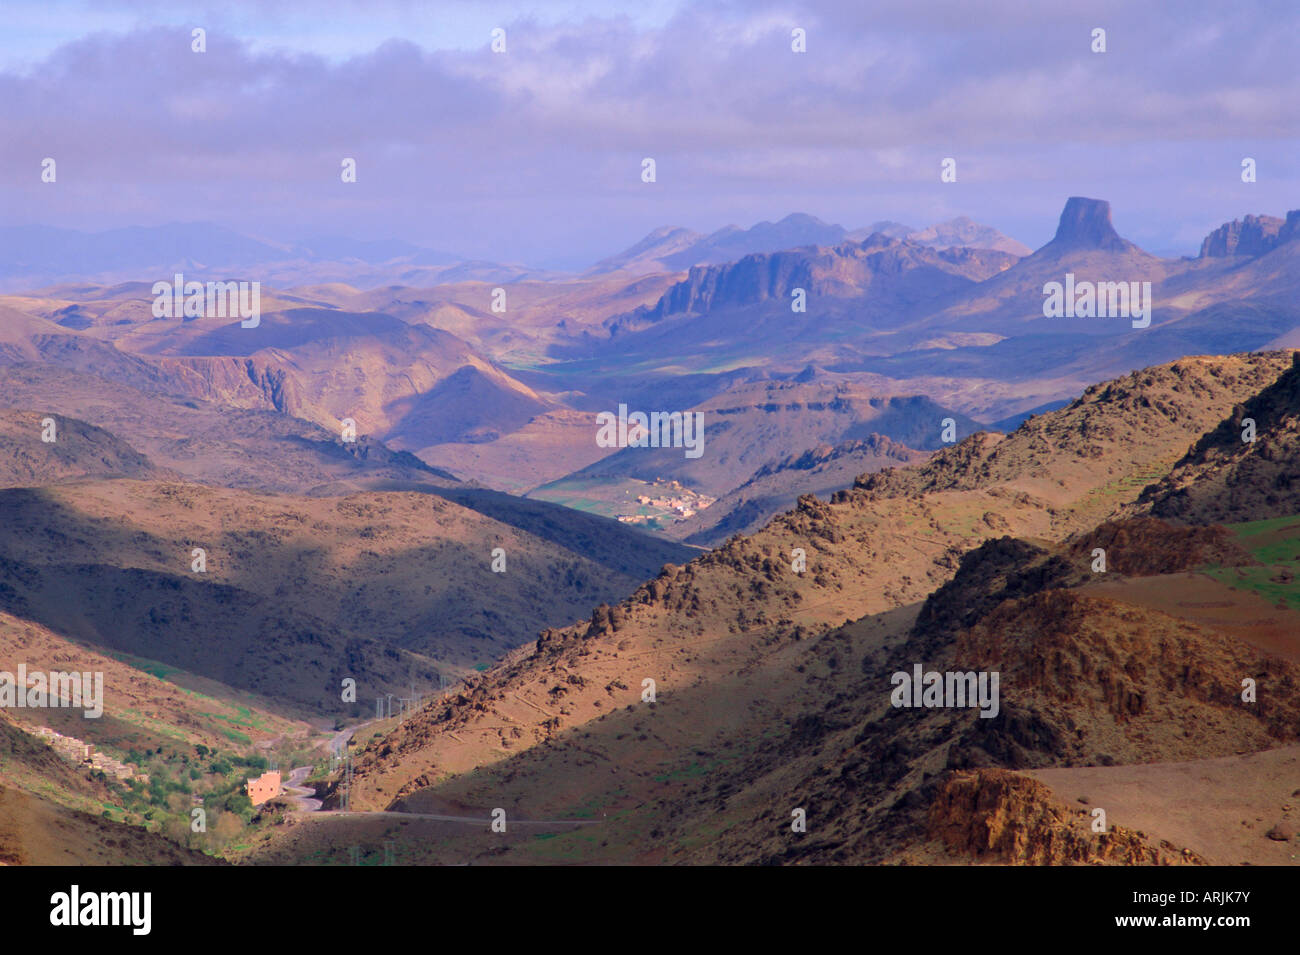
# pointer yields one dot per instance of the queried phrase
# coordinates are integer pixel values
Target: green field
(1275, 543)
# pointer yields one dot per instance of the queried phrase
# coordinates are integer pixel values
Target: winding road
(303, 801)
(303, 798)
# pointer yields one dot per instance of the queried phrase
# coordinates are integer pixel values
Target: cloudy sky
(535, 155)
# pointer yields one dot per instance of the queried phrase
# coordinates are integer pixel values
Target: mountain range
(905, 462)
(773, 684)
(672, 249)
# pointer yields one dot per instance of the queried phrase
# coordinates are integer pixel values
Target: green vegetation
(574, 846)
(1275, 543)
(596, 804)
(1256, 528)
(153, 667)
(1259, 580)
(1124, 488)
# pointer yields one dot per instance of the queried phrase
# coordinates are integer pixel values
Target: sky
(535, 155)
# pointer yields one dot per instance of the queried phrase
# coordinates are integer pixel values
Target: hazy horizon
(534, 155)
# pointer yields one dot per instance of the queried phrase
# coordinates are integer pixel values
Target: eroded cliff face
(1251, 235)
(998, 816)
(1086, 224)
(882, 266)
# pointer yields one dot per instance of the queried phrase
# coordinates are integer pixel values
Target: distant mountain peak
(1086, 224)
(895, 230)
(802, 218)
(669, 231)
(961, 232)
(965, 232)
(676, 249)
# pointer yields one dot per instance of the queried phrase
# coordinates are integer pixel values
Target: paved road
(339, 742)
(300, 795)
(303, 801)
(478, 820)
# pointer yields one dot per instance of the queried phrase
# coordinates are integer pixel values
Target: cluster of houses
(678, 501)
(83, 754)
(260, 789)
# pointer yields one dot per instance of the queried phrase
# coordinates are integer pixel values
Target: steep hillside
(146, 704)
(474, 405)
(386, 588)
(776, 486)
(743, 424)
(323, 365)
(326, 365)
(749, 727)
(1238, 473)
(870, 552)
(29, 764)
(36, 831)
(212, 443)
(78, 451)
(1084, 681)
(1114, 439)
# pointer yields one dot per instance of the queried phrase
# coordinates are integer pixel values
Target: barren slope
(878, 547)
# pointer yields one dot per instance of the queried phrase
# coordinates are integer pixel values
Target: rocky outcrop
(257, 382)
(1000, 816)
(1146, 547)
(1099, 669)
(755, 278)
(1085, 224)
(888, 268)
(1253, 235)
(1245, 469)
(874, 444)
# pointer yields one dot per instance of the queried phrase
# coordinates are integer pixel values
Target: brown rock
(1281, 833)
